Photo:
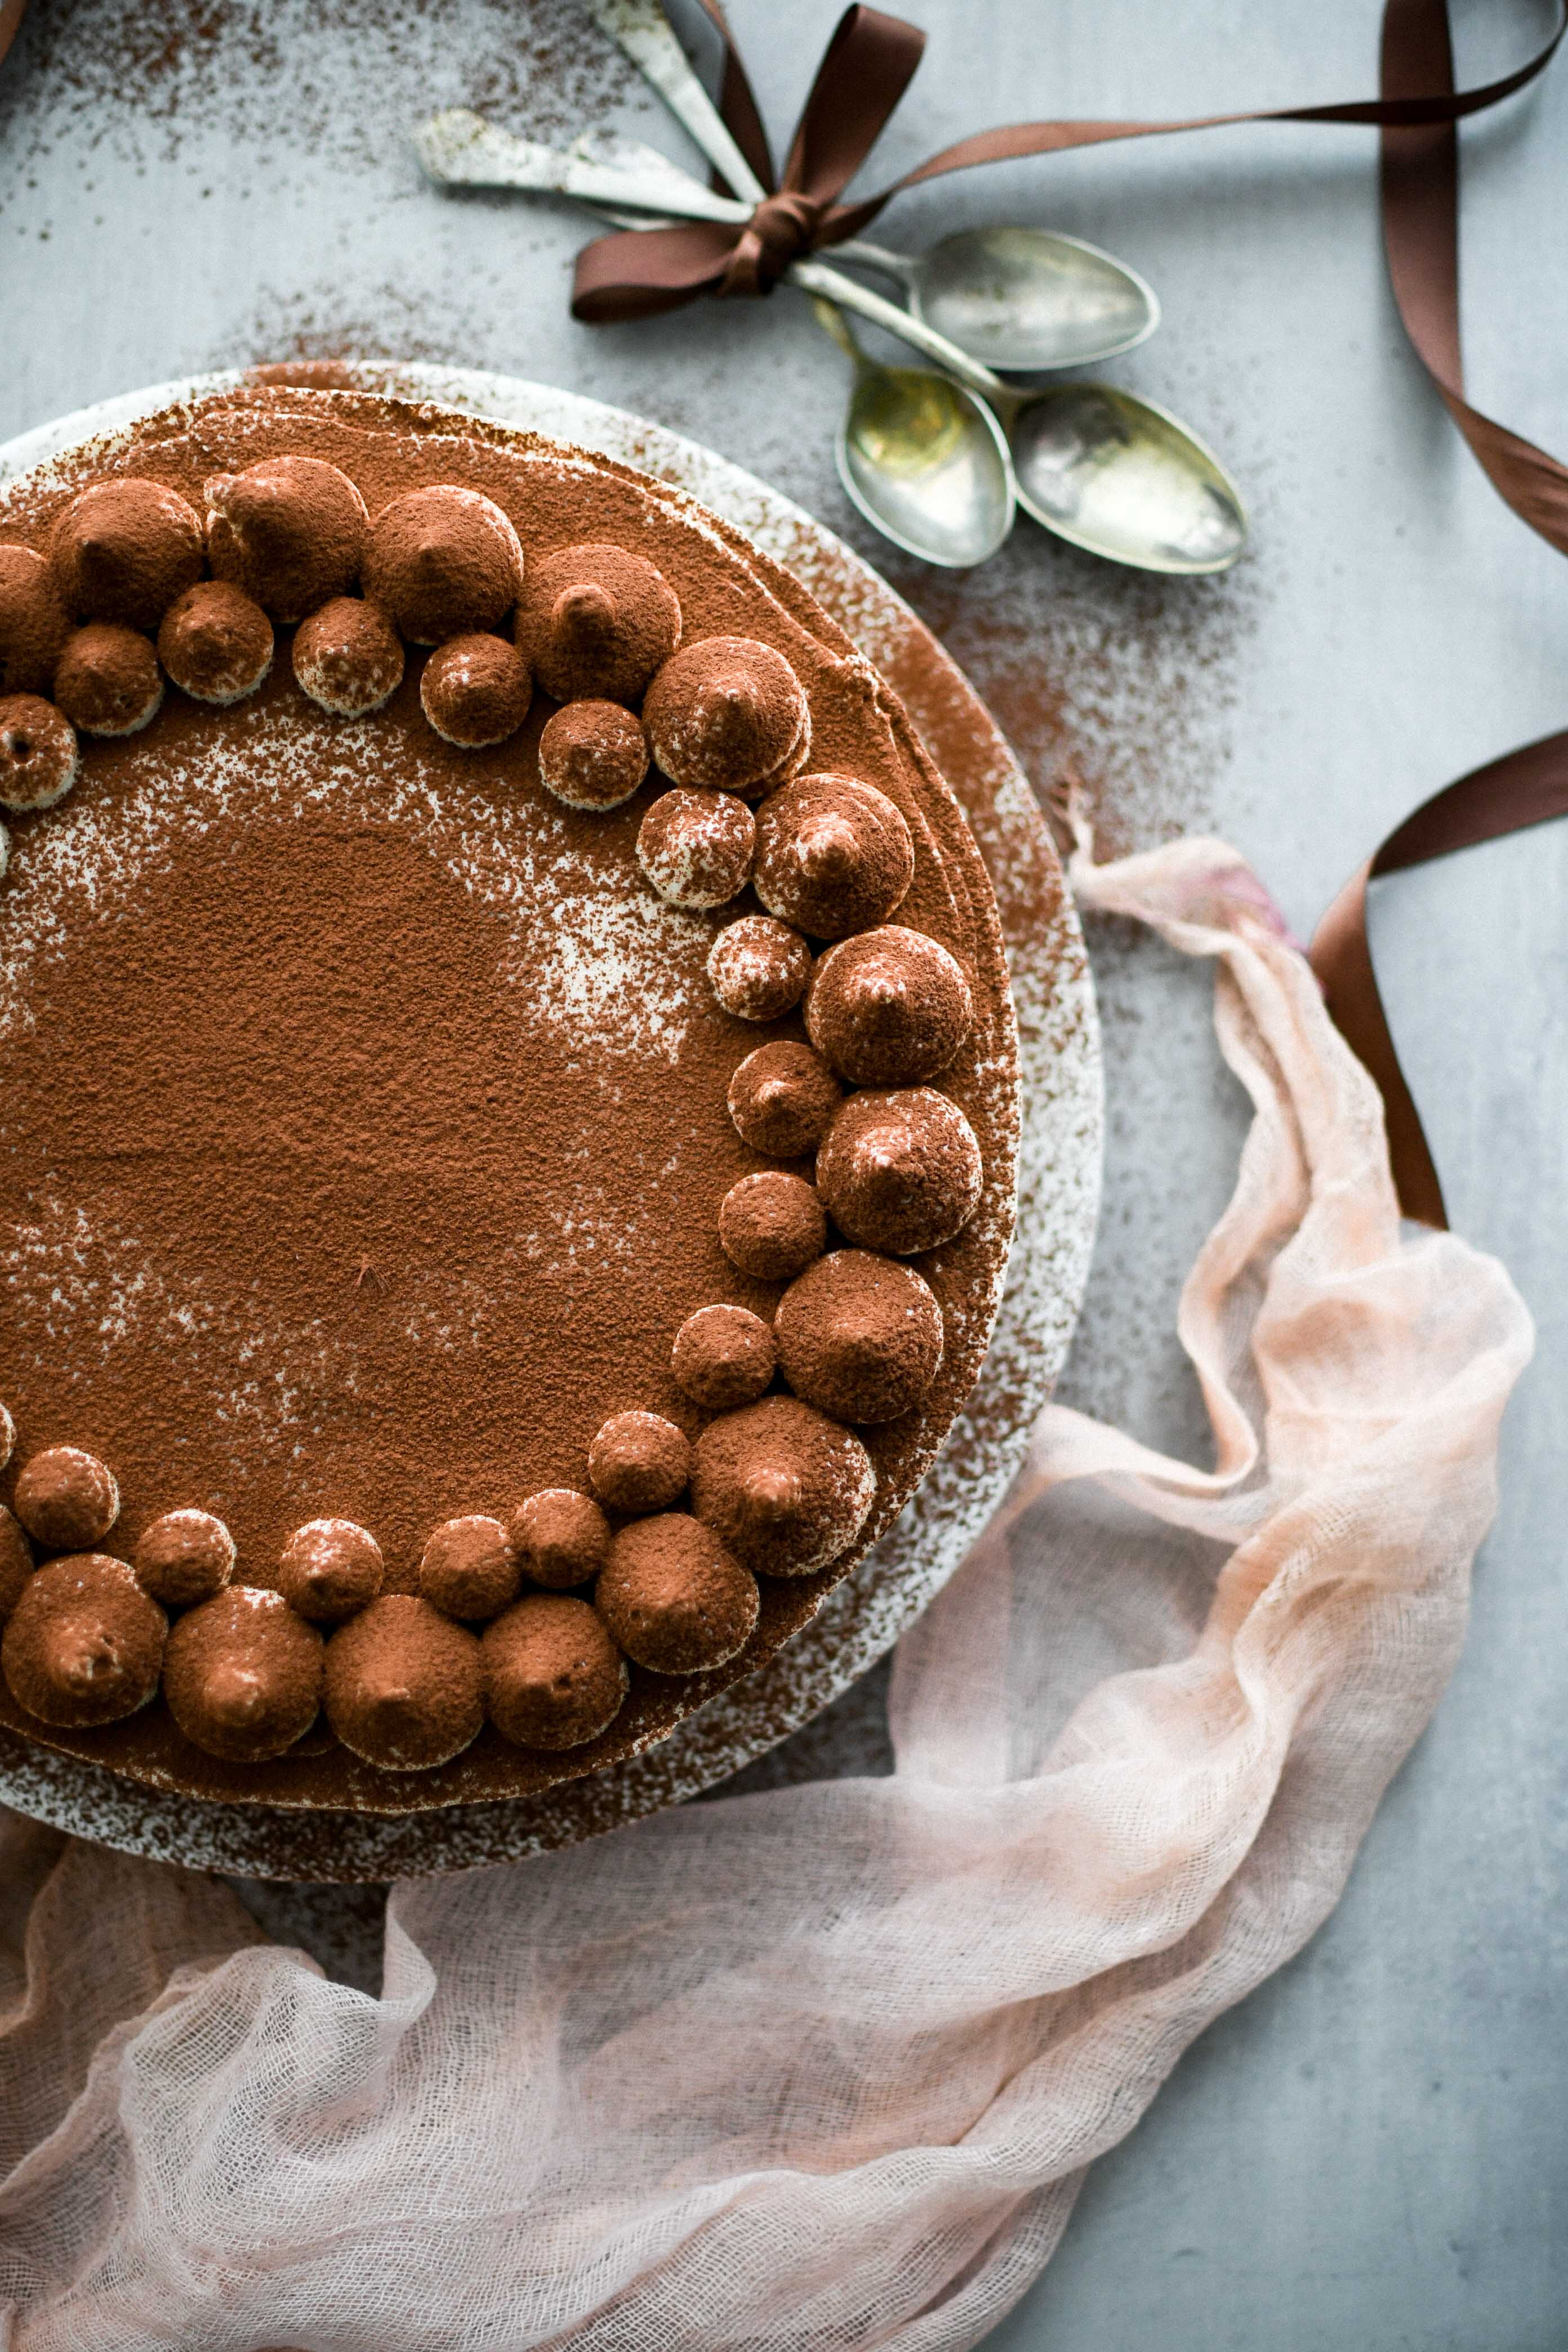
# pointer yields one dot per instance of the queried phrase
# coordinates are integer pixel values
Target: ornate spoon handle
(642, 29)
(462, 150)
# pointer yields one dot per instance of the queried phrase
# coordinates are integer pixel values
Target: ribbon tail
(1420, 189)
(1420, 186)
(1528, 478)
(865, 68)
(637, 273)
(1342, 958)
(738, 108)
(1525, 787)
(11, 15)
(1414, 107)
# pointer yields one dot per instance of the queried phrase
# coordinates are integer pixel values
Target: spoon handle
(834, 325)
(460, 149)
(816, 277)
(643, 31)
(880, 257)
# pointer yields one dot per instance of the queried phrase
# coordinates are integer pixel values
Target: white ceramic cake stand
(1058, 1202)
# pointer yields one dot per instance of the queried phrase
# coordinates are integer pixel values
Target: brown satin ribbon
(1526, 787)
(864, 71)
(866, 67)
(1529, 786)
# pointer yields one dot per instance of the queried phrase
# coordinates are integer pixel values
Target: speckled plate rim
(1059, 1177)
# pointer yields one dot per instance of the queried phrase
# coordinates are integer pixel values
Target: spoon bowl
(1021, 297)
(924, 460)
(1113, 474)
(1123, 478)
(927, 465)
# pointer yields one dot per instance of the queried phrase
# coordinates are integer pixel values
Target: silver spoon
(460, 149)
(924, 459)
(1020, 298)
(1097, 465)
(643, 33)
(1123, 478)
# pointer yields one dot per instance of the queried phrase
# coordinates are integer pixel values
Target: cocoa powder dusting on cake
(357, 1173)
(343, 1072)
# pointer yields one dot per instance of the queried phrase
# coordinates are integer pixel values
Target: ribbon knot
(865, 68)
(783, 227)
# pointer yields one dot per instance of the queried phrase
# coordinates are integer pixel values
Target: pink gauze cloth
(824, 2067)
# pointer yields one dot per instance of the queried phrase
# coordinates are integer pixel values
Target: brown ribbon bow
(866, 67)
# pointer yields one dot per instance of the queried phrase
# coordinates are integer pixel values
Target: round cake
(386, 1110)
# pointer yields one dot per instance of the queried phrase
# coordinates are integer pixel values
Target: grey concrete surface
(1372, 2152)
